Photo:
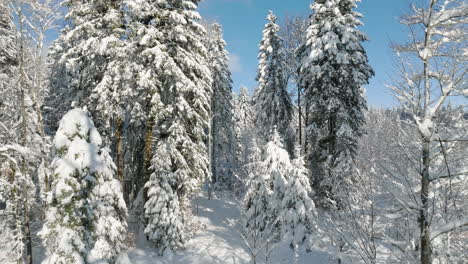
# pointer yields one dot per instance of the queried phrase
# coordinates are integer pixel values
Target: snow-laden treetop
(78, 139)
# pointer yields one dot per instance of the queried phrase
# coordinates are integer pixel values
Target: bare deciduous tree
(433, 68)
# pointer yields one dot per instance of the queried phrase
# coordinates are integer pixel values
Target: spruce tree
(166, 227)
(266, 190)
(186, 92)
(8, 64)
(181, 118)
(297, 208)
(222, 110)
(129, 92)
(243, 126)
(86, 215)
(79, 57)
(333, 70)
(276, 164)
(256, 201)
(273, 107)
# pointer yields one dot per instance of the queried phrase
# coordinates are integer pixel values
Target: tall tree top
(271, 100)
(218, 55)
(333, 39)
(269, 48)
(272, 17)
(276, 138)
(7, 38)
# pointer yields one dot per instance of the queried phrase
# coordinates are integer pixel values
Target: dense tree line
(131, 114)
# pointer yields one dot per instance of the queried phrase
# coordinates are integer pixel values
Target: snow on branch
(449, 227)
(444, 176)
(24, 151)
(6, 214)
(452, 140)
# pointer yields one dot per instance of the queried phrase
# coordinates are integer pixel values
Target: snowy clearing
(218, 242)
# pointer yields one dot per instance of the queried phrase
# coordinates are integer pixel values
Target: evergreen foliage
(222, 110)
(165, 226)
(333, 70)
(86, 217)
(243, 129)
(79, 57)
(298, 209)
(273, 107)
(181, 111)
(8, 64)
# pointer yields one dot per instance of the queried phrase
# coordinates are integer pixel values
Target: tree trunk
(212, 141)
(426, 251)
(27, 256)
(213, 153)
(147, 156)
(306, 139)
(27, 235)
(120, 157)
(300, 115)
(332, 135)
(211, 149)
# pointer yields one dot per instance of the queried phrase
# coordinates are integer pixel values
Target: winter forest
(122, 140)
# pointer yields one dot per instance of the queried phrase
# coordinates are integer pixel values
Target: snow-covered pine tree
(181, 117)
(293, 31)
(166, 227)
(276, 164)
(333, 70)
(268, 185)
(79, 58)
(243, 126)
(297, 208)
(243, 114)
(86, 216)
(16, 199)
(273, 107)
(186, 93)
(256, 201)
(130, 90)
(222, 137)
(8, 64)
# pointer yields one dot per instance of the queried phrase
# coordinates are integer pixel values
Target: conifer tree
(267, 187)
(166, 227)
(8, 63)
(276, 164)
(333, 70)
(222, 155)
(256, 201)
(181, 118)
(186, 93)
(80, 56)
(243, 126)
(297, 208)
(273, 107)
(129, 92)
(86, 217)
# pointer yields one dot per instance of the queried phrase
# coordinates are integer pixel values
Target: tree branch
(449, 227)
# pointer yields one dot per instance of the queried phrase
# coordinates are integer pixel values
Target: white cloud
(235, 63)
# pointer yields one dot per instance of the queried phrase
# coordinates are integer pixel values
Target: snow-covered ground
(218, 242)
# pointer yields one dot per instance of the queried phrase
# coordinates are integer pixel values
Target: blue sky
(243, 22)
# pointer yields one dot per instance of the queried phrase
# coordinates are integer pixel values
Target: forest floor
(216, 243)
